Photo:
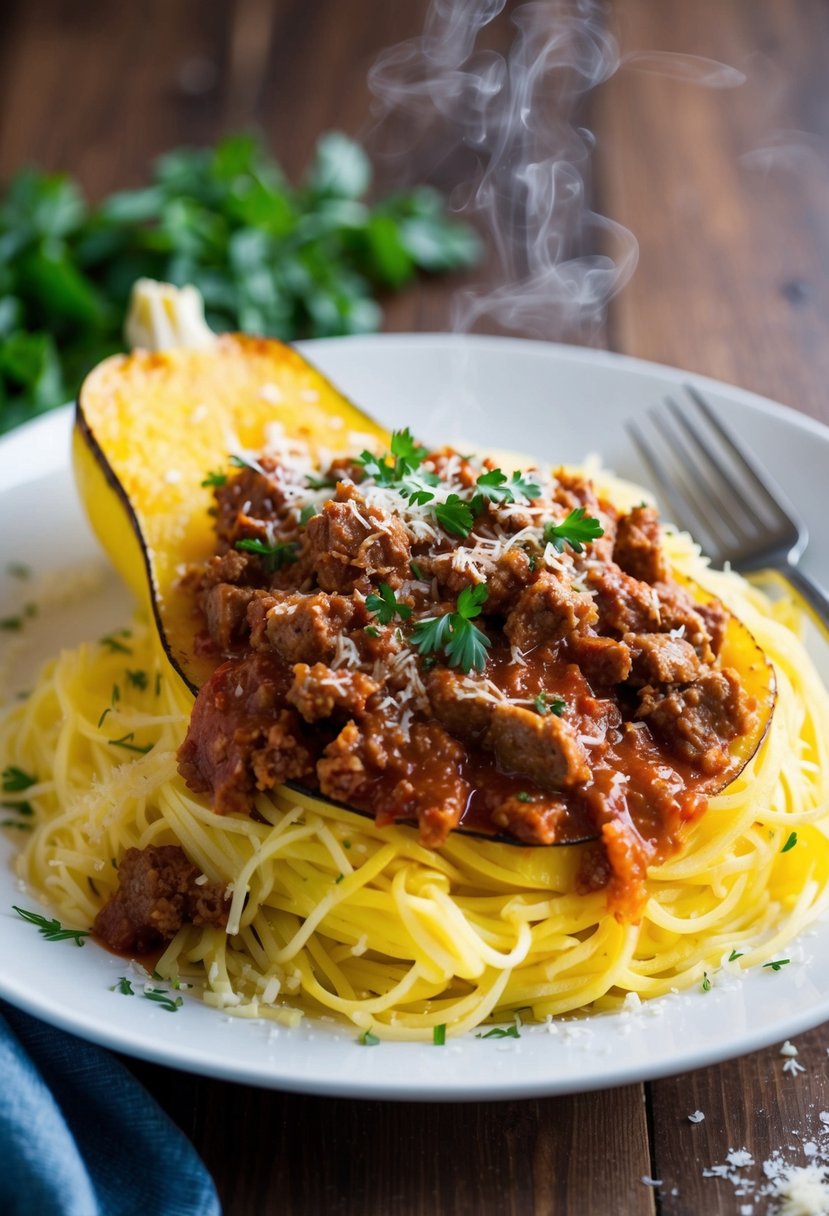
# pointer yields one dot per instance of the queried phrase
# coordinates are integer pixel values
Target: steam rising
(511, 123)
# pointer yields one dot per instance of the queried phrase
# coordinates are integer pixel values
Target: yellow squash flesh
(151, 425)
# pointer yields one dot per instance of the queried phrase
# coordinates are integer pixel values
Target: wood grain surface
(726, 190)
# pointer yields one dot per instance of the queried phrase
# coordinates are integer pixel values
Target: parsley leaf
(545, 703)
(404, 447)
(15, 780)
(246, 462)
(215, 478)
(126, 741)
(114, 645)
(464, 645)
(52, 930)
(123, 986)
(138, 679)
(367, 1039)
(575, 530)
(777, 964)
(163, 998)
(790, 843)
(455, 516)
(432, 633)
(734, 955)
(307, 512)
(706, 982)
(274, 557)
(493, 486)
(386, 607)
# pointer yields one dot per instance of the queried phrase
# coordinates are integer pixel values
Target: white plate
(560, 403)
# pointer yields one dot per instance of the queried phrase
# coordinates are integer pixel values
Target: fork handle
(814, 595)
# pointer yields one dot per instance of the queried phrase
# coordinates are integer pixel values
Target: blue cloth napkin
(79, 1136)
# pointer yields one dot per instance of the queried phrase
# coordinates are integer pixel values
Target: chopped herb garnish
(706, 982)
(463, 643)
(790, 843)
(215, 478)
(116, 696)
(18, 570)
(734, 955)
(523, 796)
(339, 879)
(494, 487)
(367, 1039)
(123, 986)
(385, 606)
(533, 560)
(244, 462)
(499, 1032)
(138, 679)
(404, 447)
(454, 516)
(52, 930)
(416, 571)
(777, 963)
(429, 663)
(545, 703)
(15, 780)
(22, 808)
(113, 644)
(12, 624)
(163, 998)
(126, 742)
(284, 553)
(20, 824)
(319, 483)
(371, 630)
(576, 530)
(307, 512)
(346, 844)
(103, 717)
(439, 1035)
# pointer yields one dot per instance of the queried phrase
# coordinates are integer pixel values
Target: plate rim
(197, 1060)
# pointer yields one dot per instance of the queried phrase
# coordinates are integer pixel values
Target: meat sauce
(426, 640)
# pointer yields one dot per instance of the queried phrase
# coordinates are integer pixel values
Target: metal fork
(723, 496)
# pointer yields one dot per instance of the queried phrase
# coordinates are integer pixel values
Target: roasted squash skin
(150, 426)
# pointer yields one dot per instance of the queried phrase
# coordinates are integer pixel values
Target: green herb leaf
(385, 606)
(367, 1039)
(417, 573)
(113, 644)
(138, 679)
(22, 808)
(790, 842)
(706, 982)
(163, 998)
(439, 1035)
(545, 703)
(247, 462)
(126, 742)
(307, 512)
(15, 780)
(215, 478)
(494, 487)
(734, 955)
(523, 796)
(455, 516)
(371, 630)
(284, 553)
(575, 530)
(777, 964)
(52, 929)
(123, 986)
(338, 879)
(432, 633)
(499, 1032)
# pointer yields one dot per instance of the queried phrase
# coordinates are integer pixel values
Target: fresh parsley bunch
(268, 257)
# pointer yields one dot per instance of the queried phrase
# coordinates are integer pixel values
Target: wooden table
(726, 190)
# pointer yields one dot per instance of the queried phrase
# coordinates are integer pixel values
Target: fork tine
(727, 508)
(681, 504)
(758, 478)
